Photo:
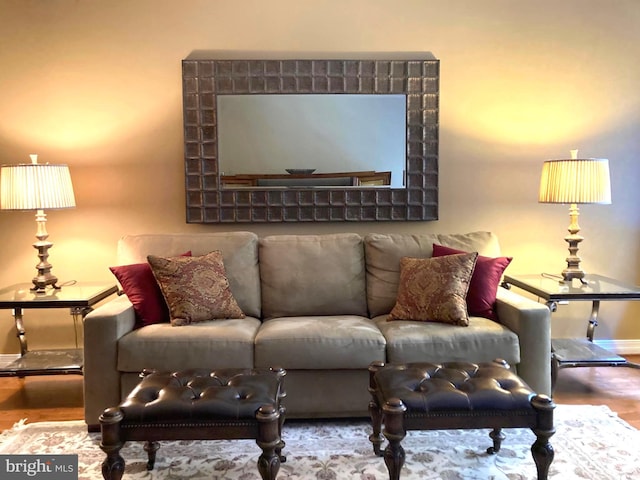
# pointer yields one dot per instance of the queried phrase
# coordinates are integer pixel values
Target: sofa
(316, 305)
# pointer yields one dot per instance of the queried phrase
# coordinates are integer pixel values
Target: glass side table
(569, 352)
(79, 298)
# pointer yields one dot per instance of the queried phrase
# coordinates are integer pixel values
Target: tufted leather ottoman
(460, 395)
(198, 405)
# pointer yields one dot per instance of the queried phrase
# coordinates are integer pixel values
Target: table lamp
(574, 181)
(37, 186)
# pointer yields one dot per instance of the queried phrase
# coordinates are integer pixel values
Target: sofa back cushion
(312, 275)
(384, 251)
(239, 252)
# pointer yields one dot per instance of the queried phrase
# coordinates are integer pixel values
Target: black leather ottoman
(427, 396)
(198, 405)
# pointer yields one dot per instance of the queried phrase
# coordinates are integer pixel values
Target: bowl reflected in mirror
(300, 171)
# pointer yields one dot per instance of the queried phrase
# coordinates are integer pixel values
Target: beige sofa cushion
(239, 251)
(384, 251)
(319, 343)
(482, 341)
(312, 275)
(214, 344)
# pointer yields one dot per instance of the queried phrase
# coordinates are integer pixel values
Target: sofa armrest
(102, 329)
(531, 321)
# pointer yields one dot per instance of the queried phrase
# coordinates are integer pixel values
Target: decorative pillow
(196, 288)
(434, 289)
(481, 297)
(139, 284)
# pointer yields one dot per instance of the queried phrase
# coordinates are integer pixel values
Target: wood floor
(56, 398)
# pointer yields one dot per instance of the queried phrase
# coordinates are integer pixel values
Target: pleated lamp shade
(575, 181)
(36, 187)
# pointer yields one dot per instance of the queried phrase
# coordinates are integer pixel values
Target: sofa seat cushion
(224, 343)
(482, 341)
(319, 343)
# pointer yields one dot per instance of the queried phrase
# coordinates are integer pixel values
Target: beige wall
(97, 84)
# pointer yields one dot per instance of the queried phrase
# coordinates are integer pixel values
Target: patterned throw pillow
(196, 288)
(434, 289)
(140, 286)
(481, 297)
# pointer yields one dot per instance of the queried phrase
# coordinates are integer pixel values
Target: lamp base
(41, 282)
(44, 277)
(568, 274)
(573, 269)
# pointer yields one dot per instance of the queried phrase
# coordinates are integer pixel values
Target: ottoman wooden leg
(497, 436)
(281, 443)
(375, 412)
(376, 438)
(281, 373)
(269, 440)
(542, 452)
(541, 449)
(394, 432)
(113, 466)
(151, 448)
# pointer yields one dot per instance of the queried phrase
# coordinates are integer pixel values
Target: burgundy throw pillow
(139, 284)
(481, 297)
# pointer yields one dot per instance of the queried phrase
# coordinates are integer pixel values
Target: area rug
(591, 442)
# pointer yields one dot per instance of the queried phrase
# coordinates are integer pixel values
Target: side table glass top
(598, 287)
(76, 295)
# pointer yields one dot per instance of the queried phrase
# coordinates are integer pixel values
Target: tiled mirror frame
(205, 79)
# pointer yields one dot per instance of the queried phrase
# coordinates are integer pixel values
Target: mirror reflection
(311, 140)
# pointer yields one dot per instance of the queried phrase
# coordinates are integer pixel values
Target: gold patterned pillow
(196, 288)
(434, 289)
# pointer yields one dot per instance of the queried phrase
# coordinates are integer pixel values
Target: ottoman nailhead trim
(188, 424)
(470, 413)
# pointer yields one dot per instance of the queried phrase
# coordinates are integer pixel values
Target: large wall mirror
(295, 140)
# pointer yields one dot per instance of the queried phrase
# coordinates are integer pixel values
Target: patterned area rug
(591, 443)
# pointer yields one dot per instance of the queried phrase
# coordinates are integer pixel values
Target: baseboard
(621, 347)
(7, 358)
